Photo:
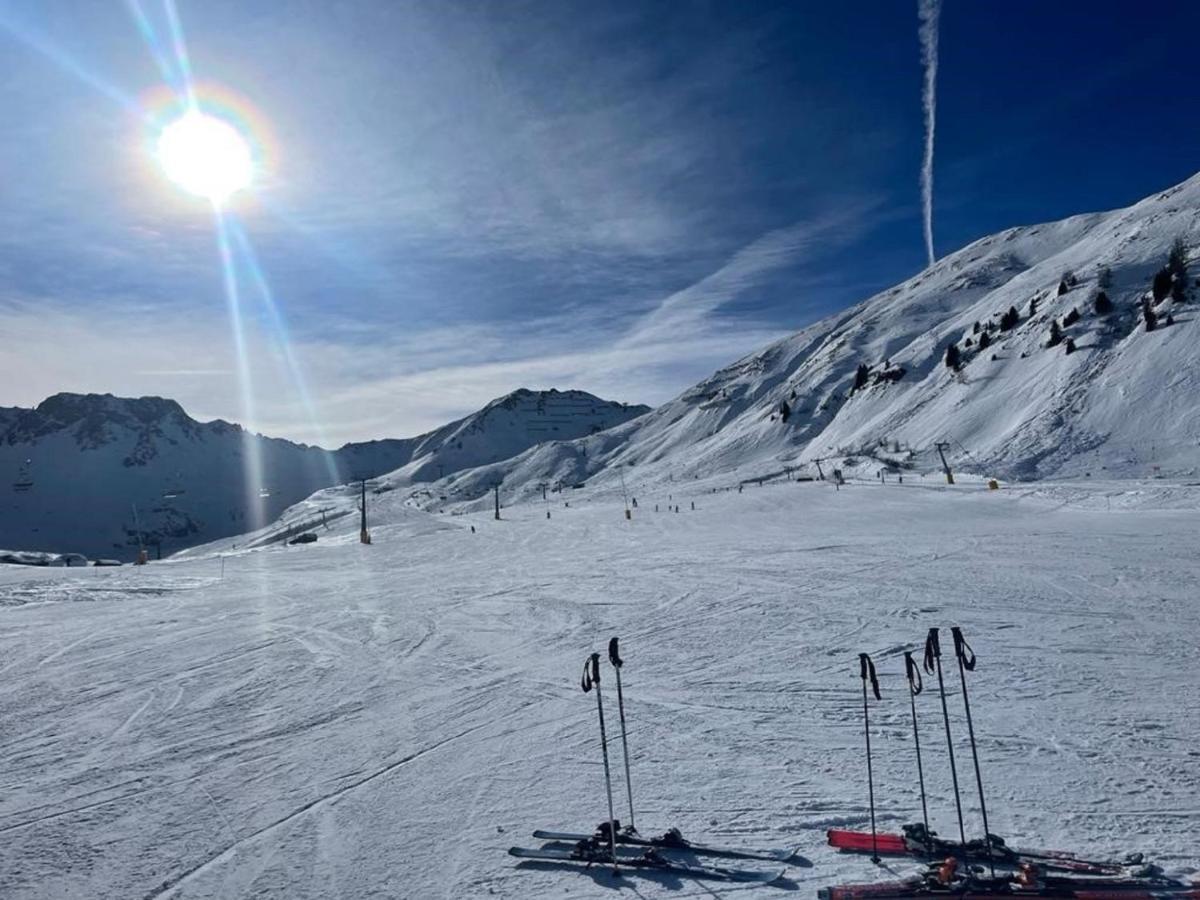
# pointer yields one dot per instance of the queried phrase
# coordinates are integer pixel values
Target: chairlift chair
(174, 488)
(24, 477)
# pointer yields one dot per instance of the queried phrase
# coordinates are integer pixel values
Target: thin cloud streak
(402, 383)
(929, 11)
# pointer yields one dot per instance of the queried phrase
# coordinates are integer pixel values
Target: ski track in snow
(385, 721)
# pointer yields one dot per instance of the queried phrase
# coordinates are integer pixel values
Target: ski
(671, 840)
(915, 842)
(979, 888)
(648, 859)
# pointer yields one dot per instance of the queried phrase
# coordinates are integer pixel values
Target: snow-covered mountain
(1102, 394)
(77, 465)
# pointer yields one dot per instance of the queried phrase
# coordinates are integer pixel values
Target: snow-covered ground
(341, 721)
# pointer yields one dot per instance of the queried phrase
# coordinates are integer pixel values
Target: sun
(205, 156)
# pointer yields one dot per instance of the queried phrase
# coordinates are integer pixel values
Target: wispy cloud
(401, 383)
(929, 10)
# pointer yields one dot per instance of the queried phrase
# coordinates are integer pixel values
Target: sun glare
(205, 156)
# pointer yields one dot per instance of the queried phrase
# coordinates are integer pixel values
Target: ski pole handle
(613, 656)
(963, 650)
(933, 649)
(591, 672)
(867, 670)
(913, 673)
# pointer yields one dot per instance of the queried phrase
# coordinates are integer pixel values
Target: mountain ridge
(79, 464)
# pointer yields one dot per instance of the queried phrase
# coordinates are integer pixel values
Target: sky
(454, 200)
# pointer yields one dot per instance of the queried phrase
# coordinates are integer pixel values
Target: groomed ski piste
(348, 721)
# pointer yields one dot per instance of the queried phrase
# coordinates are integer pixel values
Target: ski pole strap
(591, 672)
(913, 671)
(613, 656)
(867, 670)
(933, 650)
(962, 649)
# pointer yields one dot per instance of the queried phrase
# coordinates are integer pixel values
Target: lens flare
(205, 156)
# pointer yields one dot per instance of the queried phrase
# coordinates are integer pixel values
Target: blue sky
(471, 197)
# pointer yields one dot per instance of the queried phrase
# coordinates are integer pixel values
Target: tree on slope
(1148, 315)
(1177, 260)
(860, 377)
(953, 357)
(1055, 334)
(1161, 286)
(1104, 306)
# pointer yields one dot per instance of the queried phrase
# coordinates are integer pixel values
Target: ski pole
(867, 670)
(966, 663)
(913, 672)
(933, 662)
(591, 678)
(615, 658)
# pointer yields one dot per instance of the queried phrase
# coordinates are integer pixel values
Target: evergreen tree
(1062, 287)
(1161, 285)
(1104, 282)
(1009, 320)
(1055, 334)
(1148, 315)
(785, 411)
(953, 359)
(1177, 260)
(975, 327)
(1033, 307)
(860, 377)
(985, 341)
(1104, 306)
(1071, 318)
(1070, 345)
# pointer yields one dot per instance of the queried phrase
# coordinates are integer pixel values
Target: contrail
(928, 11)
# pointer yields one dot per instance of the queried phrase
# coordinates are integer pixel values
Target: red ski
(915, 843)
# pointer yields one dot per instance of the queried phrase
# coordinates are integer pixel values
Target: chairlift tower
(364, 536)
(942, 447)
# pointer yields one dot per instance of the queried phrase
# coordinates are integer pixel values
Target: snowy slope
(345, 721)
(77, 465)
(1123, 402)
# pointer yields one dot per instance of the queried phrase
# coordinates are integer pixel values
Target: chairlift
(24, 477)
(174, 488)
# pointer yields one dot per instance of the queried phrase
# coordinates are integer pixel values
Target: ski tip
(793, 857)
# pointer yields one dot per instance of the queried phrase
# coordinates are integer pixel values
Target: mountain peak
(67, 408)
